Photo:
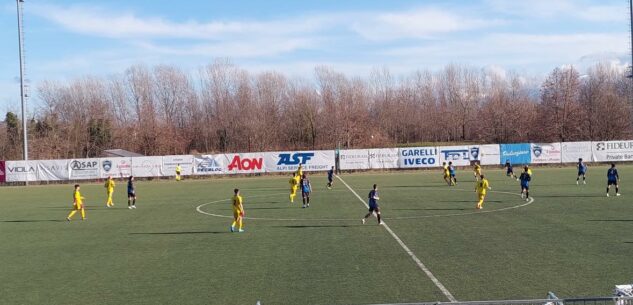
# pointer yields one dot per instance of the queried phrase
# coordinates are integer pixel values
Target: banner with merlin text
(289, 161)
(612, 151)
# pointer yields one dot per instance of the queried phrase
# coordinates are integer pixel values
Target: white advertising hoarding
(118, 167)
(418, 157)
(210, 164)
(356, 159)
(18, 171)
(53, 170)
(546, 153)
(489, 154)
(84, 169)
(383, 158)
(248, 163)
(146, 166)
(170, 163)
(459, 155)
(612, 151)
(572, 151)
(318, 160)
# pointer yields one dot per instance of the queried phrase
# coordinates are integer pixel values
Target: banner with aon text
(612, 151)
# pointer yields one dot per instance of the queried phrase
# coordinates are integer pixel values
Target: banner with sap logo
(146, 166)
(516, 153)
(572, 151)
(417, 157)
(356, 159)
(52, 170)
(19, 171)
(248, 163)
(209, 164)
(170, 163)
(2, 173)
(84, 169)
(120, 167)
(319, 160)
(488, 154)
(459, 155)
(546, 153)
(383, 158)
(612, 151)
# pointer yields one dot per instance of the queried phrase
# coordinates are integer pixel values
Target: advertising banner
(118, 167)
(146, 166)
(612, 151)
(546, 153)
(52, 170)
(516, 153)
(170, 163)
(84, 169)
(459, 155)
(417, 157)
(248, 163)
(488, 154)
(209, 164)
(19, 171)
(353, 159)
(383, 158)
(319, 160)
(572, 151)
(2, 173)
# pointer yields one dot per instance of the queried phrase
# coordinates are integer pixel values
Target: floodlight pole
(22, 91)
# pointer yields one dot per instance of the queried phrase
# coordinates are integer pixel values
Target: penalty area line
(417, 261)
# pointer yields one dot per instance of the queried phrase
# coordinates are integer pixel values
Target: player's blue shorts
(329, 178)
(525, 186)
(612, 182)
(305, 190)
(509, 171)
(373, 207)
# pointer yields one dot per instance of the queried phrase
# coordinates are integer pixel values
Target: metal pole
(22, 93)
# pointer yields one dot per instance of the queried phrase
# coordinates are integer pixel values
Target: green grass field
(571, 240)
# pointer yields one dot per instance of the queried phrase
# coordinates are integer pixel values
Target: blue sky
(66, 39)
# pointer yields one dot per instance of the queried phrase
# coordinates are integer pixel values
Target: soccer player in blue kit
(612, 179)
(373, 205)
(582, 171)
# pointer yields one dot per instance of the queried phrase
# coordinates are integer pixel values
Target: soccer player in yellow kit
(477, 171)
(294, 184)
(447, 174)
(78, 204)
(109, 185)
(300, 171)
(178, 171)
(482, 187)
(238, 211)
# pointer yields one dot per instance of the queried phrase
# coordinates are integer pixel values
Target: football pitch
(176, 248)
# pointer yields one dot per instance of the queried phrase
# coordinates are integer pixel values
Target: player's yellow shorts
(293, 190)
(77, 207)
(482, 196)
(110, 192)
(236, 214)
(446, 175)
(478, 172)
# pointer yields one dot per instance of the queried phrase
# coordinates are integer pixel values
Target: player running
(525, 183)
(294, 185)
(78, 204)
(238, 212)
(447, 174)
(482, 188)
(178, 171)
(300, 171)
(306, 189)
(612, 179)
(477, 171)
(582, 171)
(510, 171)
(451, 170)
(373, 205)
(330, 178)
(109, 186)
(131, 193)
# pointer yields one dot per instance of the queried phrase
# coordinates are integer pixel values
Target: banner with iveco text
(119, 167)
(20, 171)
(383, 158)
(416, 157)
(52, 170)
(2, 173)
(248, 163)
(572, 151)
(612, 151)
(84, 169)
(318, 160)
(546, 153)
(170, 163)
(459, 155)
(516, 153)
(356, 159)
(146, 166)
(209, 164)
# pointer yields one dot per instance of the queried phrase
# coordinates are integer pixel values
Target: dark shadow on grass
(180, 233)
(21, 221)
(415, 186)
(611, 220)
(570, 196)
(628, 242)
(313, 226)
(412, 209)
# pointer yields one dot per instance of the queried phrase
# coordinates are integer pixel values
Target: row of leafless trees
(222, 108)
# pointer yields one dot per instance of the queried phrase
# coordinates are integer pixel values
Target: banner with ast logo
(459, 155)
(516, 153)
(612, 151)
(84, 169)
(52, 170)
(248, 163)
(20, 171)
(546, 153)
(356, 159)
(146, 166)
(170, 163)
(209, 164)
(383, 158)
(2, 172)
(572, 151)
(319, 160)
(119, 167)
(416, 157)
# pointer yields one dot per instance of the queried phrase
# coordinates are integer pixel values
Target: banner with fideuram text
(612, 151)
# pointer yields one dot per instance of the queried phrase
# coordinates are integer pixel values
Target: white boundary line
(421, 265)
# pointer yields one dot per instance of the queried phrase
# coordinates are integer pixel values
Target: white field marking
(421, 265)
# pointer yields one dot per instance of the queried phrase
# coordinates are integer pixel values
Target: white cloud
(577, 9)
